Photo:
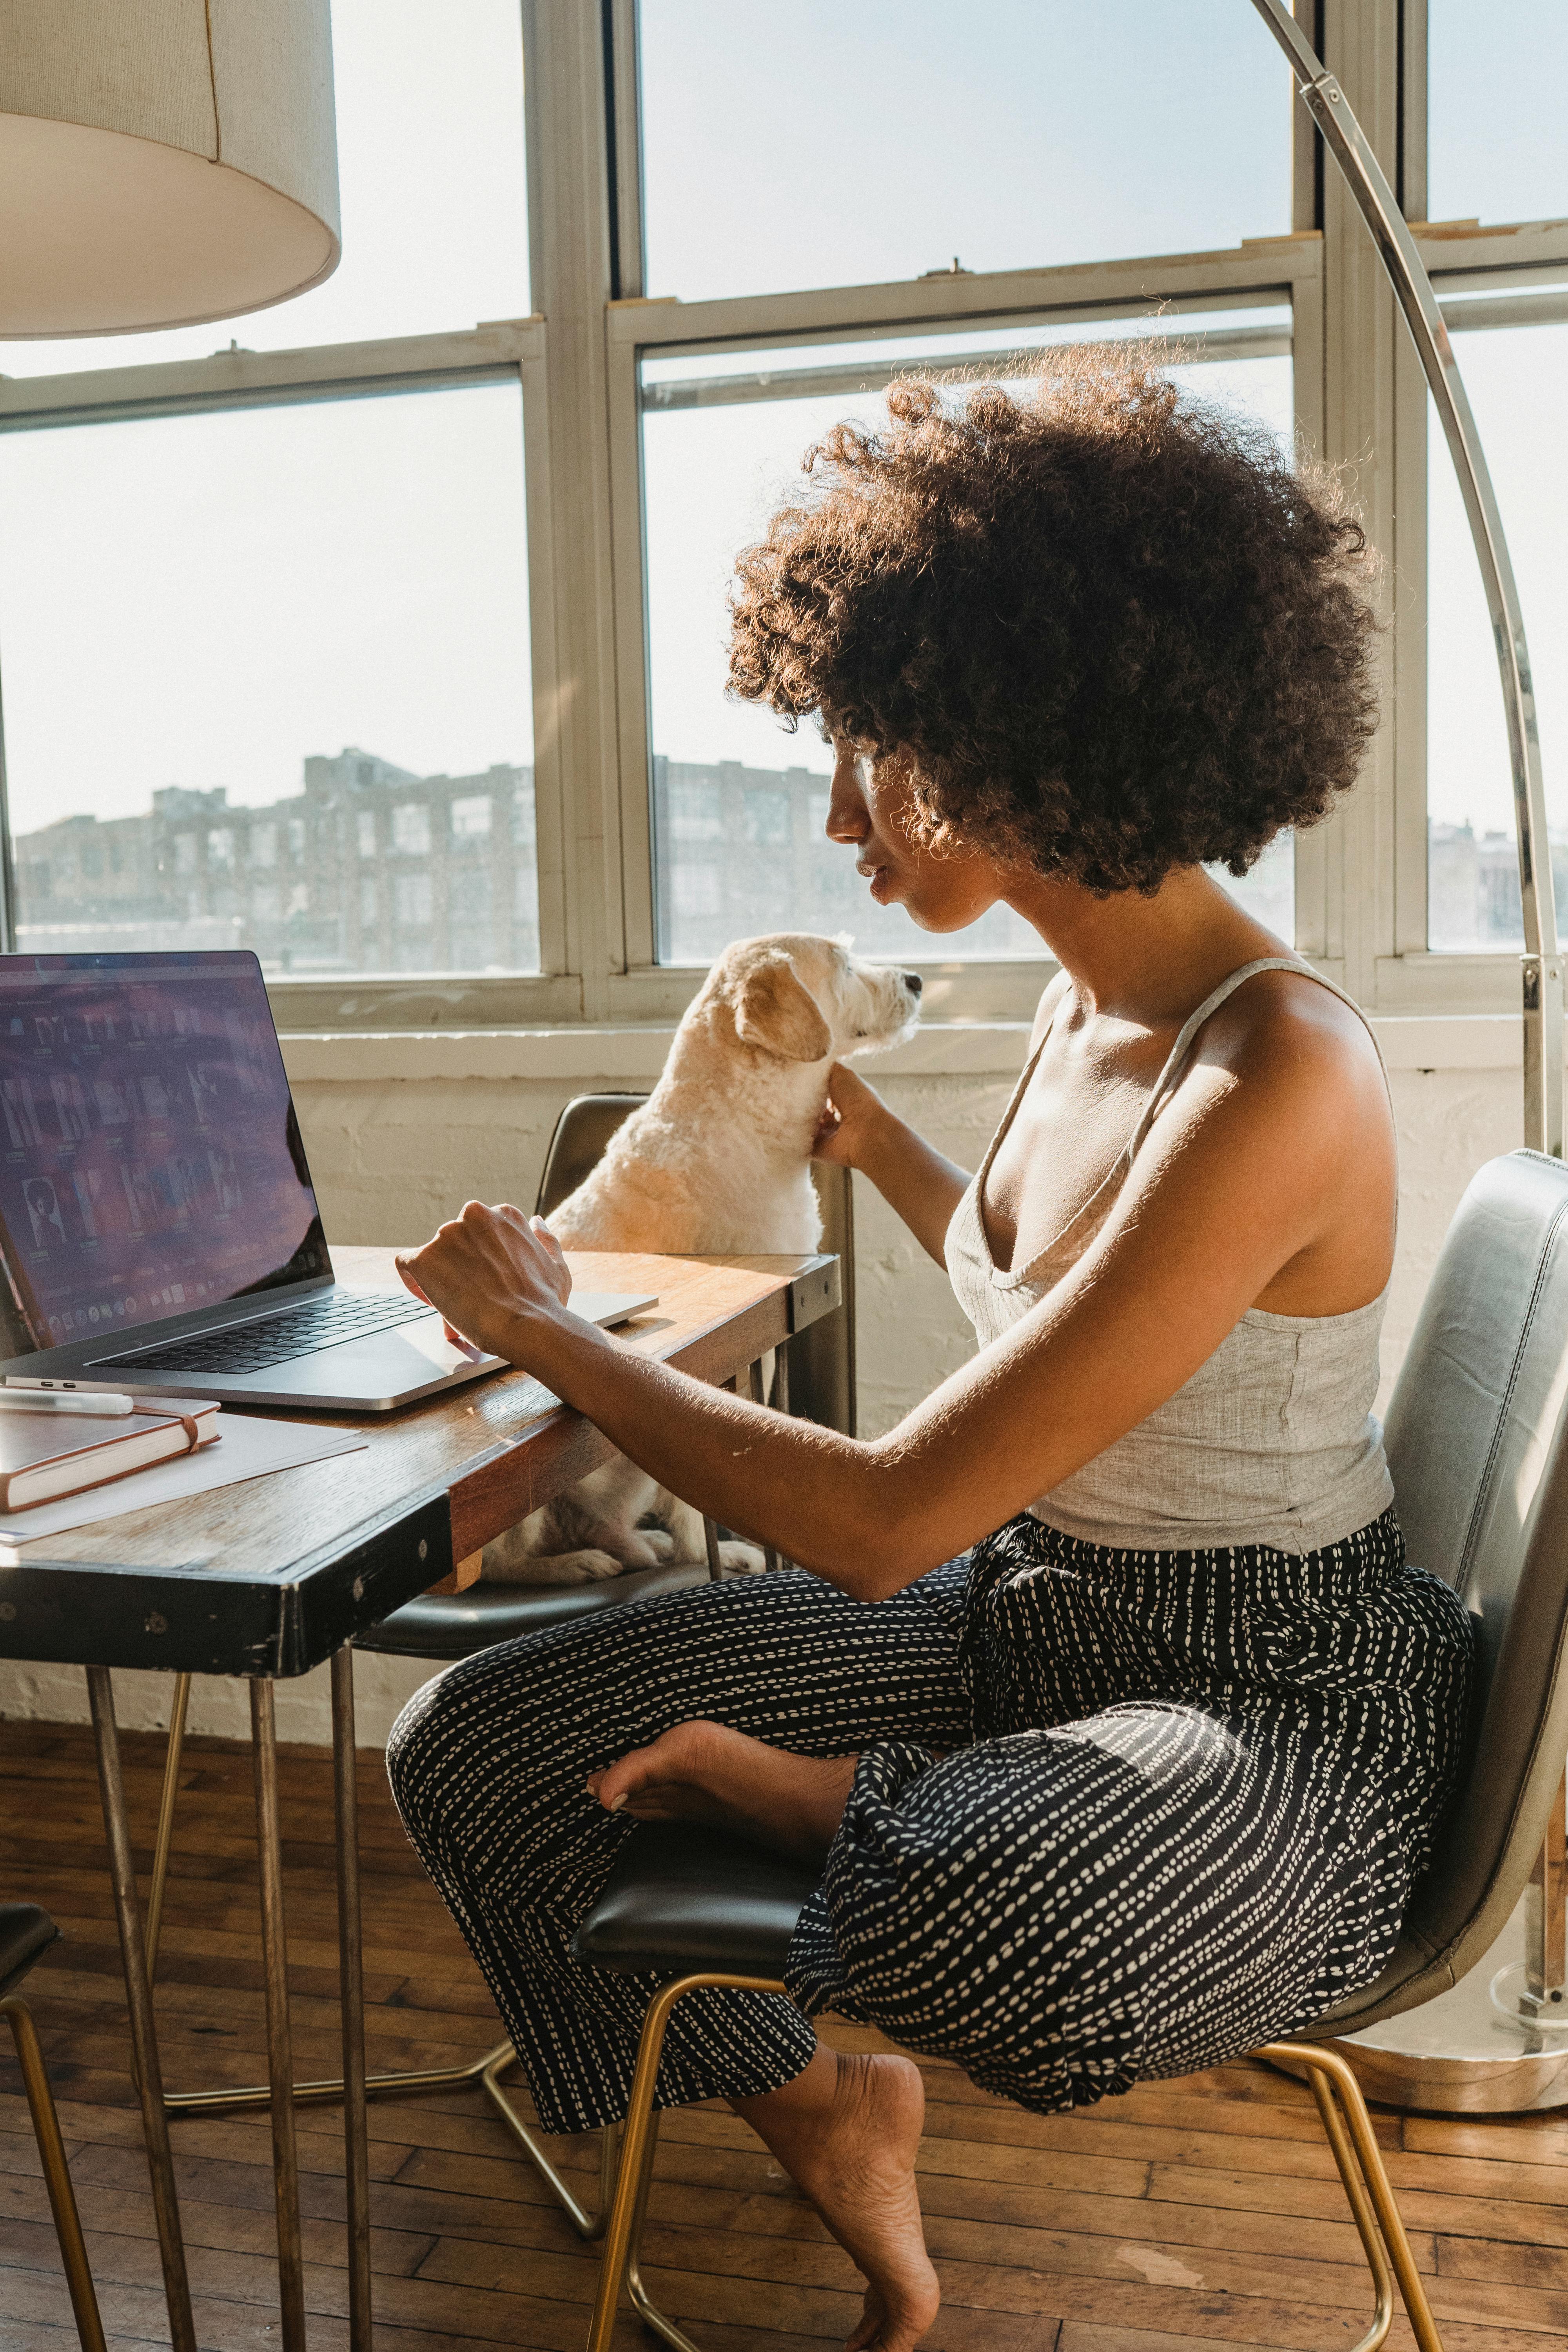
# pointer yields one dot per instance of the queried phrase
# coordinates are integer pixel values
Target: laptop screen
(150, 1159)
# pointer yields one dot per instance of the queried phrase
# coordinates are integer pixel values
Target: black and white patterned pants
(1116, 1814)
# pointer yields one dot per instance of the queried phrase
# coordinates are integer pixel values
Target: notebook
(44, 1455)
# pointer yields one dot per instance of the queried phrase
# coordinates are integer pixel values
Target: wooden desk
(271, 1577)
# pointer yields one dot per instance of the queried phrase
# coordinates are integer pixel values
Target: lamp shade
(163, 162)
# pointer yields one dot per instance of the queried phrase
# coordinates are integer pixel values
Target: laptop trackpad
(385, 1364)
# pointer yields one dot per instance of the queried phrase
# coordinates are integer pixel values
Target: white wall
(401, 1131)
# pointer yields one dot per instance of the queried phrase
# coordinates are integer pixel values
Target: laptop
(158, 1227)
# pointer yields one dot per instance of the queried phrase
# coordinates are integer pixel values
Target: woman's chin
(938, 921)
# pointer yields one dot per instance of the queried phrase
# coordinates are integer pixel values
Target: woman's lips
(879, 877)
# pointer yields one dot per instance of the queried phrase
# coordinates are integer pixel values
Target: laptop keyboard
(255, 1347)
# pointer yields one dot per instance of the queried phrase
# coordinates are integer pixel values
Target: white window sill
(633, 1055)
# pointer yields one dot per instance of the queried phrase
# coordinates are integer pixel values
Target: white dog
(717, 1158)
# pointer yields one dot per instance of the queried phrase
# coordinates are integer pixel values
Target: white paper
(249, 1447)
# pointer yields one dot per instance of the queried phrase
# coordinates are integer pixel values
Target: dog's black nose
(914, 983)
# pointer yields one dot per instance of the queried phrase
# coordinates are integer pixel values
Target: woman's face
(869, 812)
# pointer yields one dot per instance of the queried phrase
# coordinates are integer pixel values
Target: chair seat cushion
(25, 1932)
(684, 1897)
(457, 1625)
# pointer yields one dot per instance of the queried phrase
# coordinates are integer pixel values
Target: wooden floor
(1202, 2213)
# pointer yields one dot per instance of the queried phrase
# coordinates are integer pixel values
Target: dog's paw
(741, 1559)
(659, 1541)
(556, 1568)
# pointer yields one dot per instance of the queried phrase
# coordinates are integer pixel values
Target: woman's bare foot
(848, 2130)
(706, 1772)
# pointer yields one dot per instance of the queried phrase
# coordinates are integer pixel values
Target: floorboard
(1200, 2216)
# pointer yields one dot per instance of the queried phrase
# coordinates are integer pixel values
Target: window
(411, 829)
(310, 601)
(1495, 155)
(471, 818)
(737, 423)
(411, 900)
(1494, 145)
(269, 674)
(243, 581)
(1514, 376)
(869, 137)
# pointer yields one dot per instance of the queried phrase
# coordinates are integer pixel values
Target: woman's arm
(1249, 1167)
(859, 1131)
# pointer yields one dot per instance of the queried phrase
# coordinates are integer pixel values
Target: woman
(1102, 1695)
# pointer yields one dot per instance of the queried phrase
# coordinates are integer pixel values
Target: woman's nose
(849, 819)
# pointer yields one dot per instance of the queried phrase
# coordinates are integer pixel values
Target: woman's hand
(850, 1115)
(487, 1273)
(858, 1130)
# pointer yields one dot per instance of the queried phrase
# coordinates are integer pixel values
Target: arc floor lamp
(1479, 2046)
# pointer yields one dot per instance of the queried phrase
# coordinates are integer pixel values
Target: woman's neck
(1150, 959)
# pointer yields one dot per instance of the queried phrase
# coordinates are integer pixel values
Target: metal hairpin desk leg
(138, 1999)
(351, 1993)
(279, 2044)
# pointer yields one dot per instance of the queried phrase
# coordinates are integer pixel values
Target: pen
(107, 1404)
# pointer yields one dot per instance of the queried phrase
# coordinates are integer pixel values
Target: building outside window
(318, 607)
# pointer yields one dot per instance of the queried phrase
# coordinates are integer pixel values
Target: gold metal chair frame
(1347, 2127)
(56, 2174)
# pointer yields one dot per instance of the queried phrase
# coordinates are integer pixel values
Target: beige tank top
(1271, 1442)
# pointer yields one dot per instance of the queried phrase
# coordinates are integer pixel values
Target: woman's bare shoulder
(1289, 1013)
(1305, 1058)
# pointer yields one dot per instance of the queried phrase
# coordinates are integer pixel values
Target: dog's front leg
(735, 1558)
(588, 1533)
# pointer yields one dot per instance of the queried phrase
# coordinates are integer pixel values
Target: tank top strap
(1177, 1056)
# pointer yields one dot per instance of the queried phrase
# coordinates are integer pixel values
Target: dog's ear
(776, 1012)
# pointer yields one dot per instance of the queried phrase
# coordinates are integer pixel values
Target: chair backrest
(821, 1358)
(1478, 1446)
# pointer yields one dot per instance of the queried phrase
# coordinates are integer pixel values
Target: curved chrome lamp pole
(1542, 966)
(1460, 2079)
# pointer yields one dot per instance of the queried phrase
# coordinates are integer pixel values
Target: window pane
(1495, 145)
(739, 805)
(252, 663)
(430, 170)
(1514, 377)
(821, 146)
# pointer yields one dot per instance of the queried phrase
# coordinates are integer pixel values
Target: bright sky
(205, 601)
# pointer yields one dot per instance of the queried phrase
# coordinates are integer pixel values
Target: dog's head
(805, 998)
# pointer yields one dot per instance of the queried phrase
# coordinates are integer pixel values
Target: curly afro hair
(1108, 630)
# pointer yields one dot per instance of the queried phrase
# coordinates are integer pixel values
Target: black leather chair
(26, 1934)
(816, 1381)
(1477, 1444)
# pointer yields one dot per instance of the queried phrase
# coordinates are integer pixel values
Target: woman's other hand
(485, 1273)
(851, 1112)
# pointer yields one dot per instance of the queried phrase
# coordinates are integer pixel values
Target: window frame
(1361, 878)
